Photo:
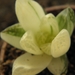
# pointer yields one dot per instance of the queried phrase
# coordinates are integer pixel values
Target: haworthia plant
(46, 38)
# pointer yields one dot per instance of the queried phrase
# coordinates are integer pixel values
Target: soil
(8, 53)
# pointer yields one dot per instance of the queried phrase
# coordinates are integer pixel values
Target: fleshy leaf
(46, 48)
(29, 44)
(60, 44)
(28, 64)
(29, 14)
(41, 37)
(66, 20)
(58, 66)
(49, 25)
(13, 34)
(48, 29)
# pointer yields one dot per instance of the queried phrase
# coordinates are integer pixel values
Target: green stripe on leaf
(15, 30)
(66, 20)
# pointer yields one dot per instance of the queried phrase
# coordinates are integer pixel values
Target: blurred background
(7, 10)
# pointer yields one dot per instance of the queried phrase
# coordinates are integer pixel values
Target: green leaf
(58, 66)
(48, 29)
(13, 34)
(46, 48)
(49, 24)
(60, 44)
(28, 64)
(29, 44)
(29, 14)
(66, 20)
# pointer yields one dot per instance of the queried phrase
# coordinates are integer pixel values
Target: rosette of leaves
(44, 37)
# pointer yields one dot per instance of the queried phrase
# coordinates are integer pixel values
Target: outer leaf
(66, 20)
(29, 44)
(61, 43)
(58, 66)
(28, 64)
(29, 14)
(12, 35)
